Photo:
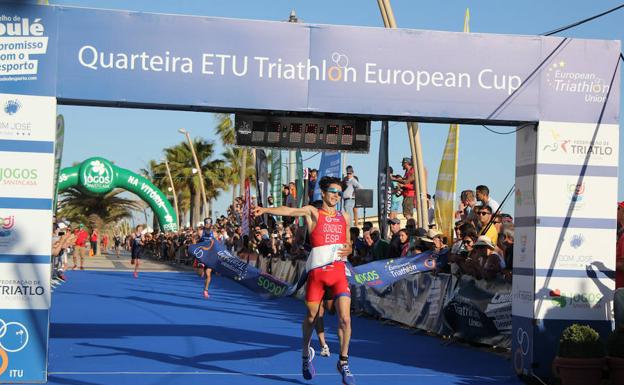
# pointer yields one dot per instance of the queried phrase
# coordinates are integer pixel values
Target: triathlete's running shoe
(347, 376)
(307, 368)
(325, 351)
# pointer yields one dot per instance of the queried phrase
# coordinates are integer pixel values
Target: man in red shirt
(619, 250)
(80, 250)
(331, 244)
(407, 187)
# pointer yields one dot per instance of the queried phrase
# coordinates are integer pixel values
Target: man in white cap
(490, 262)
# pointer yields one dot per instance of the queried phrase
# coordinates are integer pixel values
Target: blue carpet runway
(109, 328)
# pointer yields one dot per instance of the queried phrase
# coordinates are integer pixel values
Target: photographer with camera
(62, 240)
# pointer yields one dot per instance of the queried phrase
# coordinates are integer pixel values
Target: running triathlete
(117, 240)
(137, 249)
(329, 238)
(206, 235)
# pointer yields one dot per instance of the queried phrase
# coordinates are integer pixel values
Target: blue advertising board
(330, 166)
(314, 68)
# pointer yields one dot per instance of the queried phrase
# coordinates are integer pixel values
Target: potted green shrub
(615, 350)
(581, 356)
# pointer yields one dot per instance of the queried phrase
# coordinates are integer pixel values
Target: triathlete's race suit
(326, 269)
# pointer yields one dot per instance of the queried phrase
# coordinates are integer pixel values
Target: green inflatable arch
(99, 176)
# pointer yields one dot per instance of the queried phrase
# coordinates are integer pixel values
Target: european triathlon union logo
(12, 106)
(577, 241)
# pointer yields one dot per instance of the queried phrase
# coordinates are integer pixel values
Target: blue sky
(132, 137)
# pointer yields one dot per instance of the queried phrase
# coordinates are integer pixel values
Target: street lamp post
(291, 171)
(173, 191)
(199, 173)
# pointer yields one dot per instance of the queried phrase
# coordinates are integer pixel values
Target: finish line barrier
(474, 310)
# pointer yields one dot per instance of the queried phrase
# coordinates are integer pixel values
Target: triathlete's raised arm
(304, 211)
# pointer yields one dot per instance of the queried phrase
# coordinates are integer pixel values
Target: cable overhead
(561, 29)
(582, 21)
(552, 33)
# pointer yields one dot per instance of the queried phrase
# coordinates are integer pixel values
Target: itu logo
(11, 107)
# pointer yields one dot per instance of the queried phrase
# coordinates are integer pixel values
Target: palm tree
(232, 157)
(181, 163)
(100, 212)
(225, 129)
(226, 132)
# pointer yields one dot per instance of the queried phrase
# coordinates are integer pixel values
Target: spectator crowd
(481, 246)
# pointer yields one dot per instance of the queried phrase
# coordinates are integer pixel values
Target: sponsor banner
(526, 145)
(25, 232)
(24, 286)
(299, 180)
(262, 179)
(524, 247)
(480, 311)
(384, 184)
(575, 84)
(246, 220)
(563, 196)
(214, 255)
(588, 298)
(276, 177)
(447, 184)
(99, 176)
(23, 345)
(524, 196)
(522, 344)
(379, 275)
(571, 143)
(415, 300)
(313, 68)
(28, 46)
(26, 175)
(328, 68)
(58, 155)
(330, 166)
(28, 118)
(523, 295)
(574, 250)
